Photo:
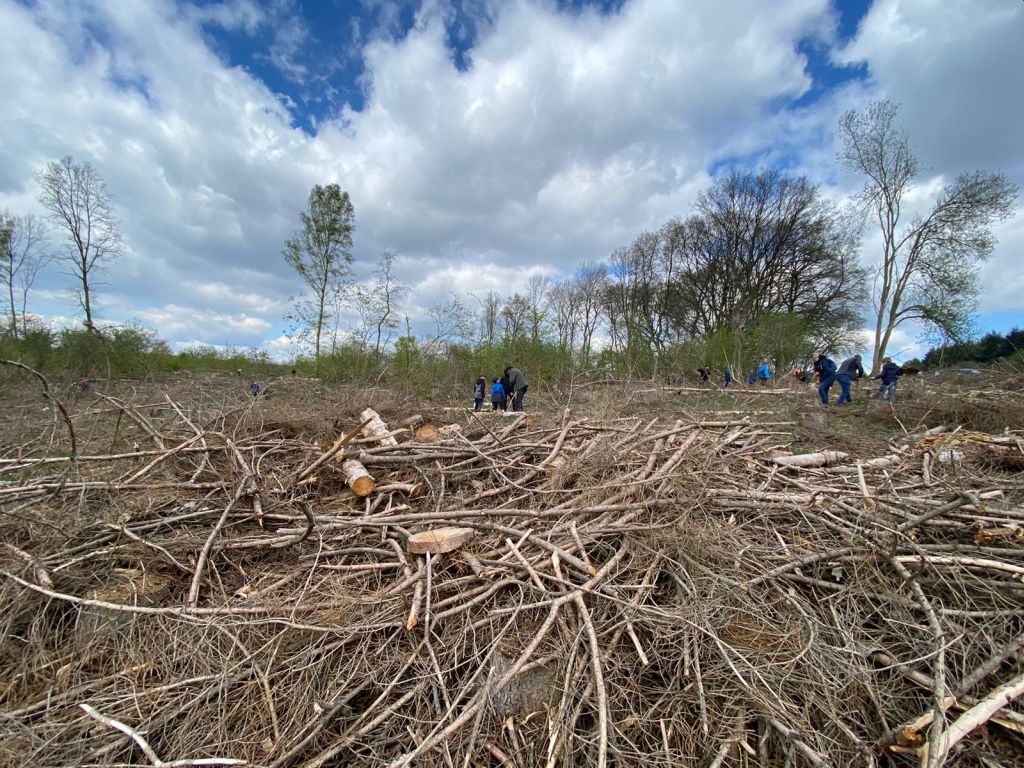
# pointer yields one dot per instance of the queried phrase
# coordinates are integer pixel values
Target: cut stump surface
(438, 540)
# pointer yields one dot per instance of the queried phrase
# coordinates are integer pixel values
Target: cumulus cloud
(493, 140)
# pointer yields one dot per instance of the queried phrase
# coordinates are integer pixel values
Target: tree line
(991, 348)
(764, 267)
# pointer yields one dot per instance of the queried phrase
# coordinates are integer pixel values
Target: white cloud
(567, 135)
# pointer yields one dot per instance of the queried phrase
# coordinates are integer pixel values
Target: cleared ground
(648, 577)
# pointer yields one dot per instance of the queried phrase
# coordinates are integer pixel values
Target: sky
(484, 141)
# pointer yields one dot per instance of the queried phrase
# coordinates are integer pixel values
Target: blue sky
(484, 141)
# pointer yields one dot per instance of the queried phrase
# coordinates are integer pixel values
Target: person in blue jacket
(726, 378)
(498, 398)
(764, 373)
(825, 367)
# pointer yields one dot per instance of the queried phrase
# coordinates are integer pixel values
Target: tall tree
(929, 262)
(321, 253)
(490, 312)
(763, 244)
(78, 202)
(22, 254)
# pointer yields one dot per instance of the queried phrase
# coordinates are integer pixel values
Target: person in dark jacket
(517, 387)
(705, 377)
(498, 400)
(726, 378)
(479, 389)
(849, 370)
(825, 368)
(889, 373)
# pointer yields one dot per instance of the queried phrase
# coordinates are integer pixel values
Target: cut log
(357, 478)
(820, 459)
(377, 428)
(426, 432)
(413, 421)
(438, 540)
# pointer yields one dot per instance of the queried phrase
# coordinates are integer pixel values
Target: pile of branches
(509, 590)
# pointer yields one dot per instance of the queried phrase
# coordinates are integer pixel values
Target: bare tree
(763, 244)
(490, 312)
(320, 252)
(453, 321)
(22, 256)
(591, 282)
(384, 295)
(78, 202)
(928, 269)
(563, 304)
(536, 292)
(515, 316)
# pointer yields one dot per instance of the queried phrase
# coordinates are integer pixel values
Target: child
(478, 393)
(498, 401)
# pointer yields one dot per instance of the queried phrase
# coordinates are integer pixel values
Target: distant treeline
(988, 349)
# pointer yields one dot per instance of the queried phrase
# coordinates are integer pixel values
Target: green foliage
(320, 253)
(990, 348)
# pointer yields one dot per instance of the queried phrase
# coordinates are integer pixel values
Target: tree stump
(816, 421)
(439, 540)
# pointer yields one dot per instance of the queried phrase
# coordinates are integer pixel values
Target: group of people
(827, 373)
(762, 375)
(848, 371)
(506, 392)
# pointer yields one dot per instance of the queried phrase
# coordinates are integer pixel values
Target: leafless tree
(563, 305)
(591, 282)
(78, 203)
(763, 244)
(928, 268)
(536, 292)
(515, 317)
(453, 322)
(490, 313)
(383, 298)
(22, 255)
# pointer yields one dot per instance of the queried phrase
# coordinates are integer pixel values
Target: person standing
(764, 373)
(825, 370)
(705, 377)
(726, 378)
(498, 399)
(849, 370)
(478, 393)
(517, 386)
(889, 373)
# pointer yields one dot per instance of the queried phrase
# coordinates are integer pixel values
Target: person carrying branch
(517, 387)
(889, 373)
